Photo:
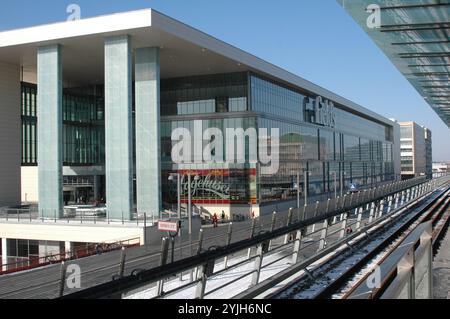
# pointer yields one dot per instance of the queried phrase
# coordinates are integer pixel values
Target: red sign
(213, 185)
(168, 226)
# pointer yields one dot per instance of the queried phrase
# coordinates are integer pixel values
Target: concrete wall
(10, 135)
(29, 184)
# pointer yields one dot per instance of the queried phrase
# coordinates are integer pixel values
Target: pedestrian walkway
(441, 270)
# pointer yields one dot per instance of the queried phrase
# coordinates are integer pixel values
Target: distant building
(440, 169)
(416, 150)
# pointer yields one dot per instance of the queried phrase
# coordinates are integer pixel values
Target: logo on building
(207, 184)
(320, 111)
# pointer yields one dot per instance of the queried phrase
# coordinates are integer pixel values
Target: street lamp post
(189, 204)
(171, 178)
(306, 173)
(196, 178)
(298, 190)
(342, 173)
(335, 186)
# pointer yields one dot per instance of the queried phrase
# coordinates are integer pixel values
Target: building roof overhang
(185, 51)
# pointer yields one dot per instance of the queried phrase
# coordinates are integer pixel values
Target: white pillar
(68, 248)
(343, 226)
(372, 211)
(118, 127)
(49, 98)
(4, 253)
(148, 141)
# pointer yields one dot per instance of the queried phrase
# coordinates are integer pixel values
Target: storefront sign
(168, 226)
(320, 111)
(207, 184)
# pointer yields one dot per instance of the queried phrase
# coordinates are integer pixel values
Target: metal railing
(73, 215)
(88, 250)
(270, 235)
(406, 273)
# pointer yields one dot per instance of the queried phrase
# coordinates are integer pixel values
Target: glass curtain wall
(83, 128)
(320, 155)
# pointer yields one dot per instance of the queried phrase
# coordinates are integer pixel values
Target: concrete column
(49, 101)
(389, 205)
(148, 140)
(380, 213)
(343, 226)
(96, 184)
(397, 196)
(118, 128)
(4, 253)
(323, 235)
(372, 212)
(359, 219)
(297, 247)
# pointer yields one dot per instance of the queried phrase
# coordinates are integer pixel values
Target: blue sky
(314, 39)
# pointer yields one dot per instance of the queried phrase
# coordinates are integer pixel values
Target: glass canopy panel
(415, 35)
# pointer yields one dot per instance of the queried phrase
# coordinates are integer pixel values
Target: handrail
(89, 250)
(159, 273)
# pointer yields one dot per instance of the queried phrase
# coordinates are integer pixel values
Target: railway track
(341, 274)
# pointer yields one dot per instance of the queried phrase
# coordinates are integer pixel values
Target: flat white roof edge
(150, 18)
(68, 29)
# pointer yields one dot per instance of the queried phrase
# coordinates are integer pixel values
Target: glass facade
(83, 128)
(319, 146)
(357, 148)
(221, 183)
(204, 94)
(316, 152)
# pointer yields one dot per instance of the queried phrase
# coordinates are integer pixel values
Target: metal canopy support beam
(421, 42)
(415, 6)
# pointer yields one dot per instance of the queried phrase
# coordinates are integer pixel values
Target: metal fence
(407, 272)
(270, 235)
(86, 251)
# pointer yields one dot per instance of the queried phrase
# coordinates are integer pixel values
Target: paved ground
(441, 270)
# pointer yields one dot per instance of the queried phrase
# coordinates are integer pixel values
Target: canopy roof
(415, 35)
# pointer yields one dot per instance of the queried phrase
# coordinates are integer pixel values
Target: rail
(374, 203)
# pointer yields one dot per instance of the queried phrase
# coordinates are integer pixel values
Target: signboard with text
(168, 226)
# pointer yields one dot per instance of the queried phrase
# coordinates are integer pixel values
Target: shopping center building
(89, 107)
